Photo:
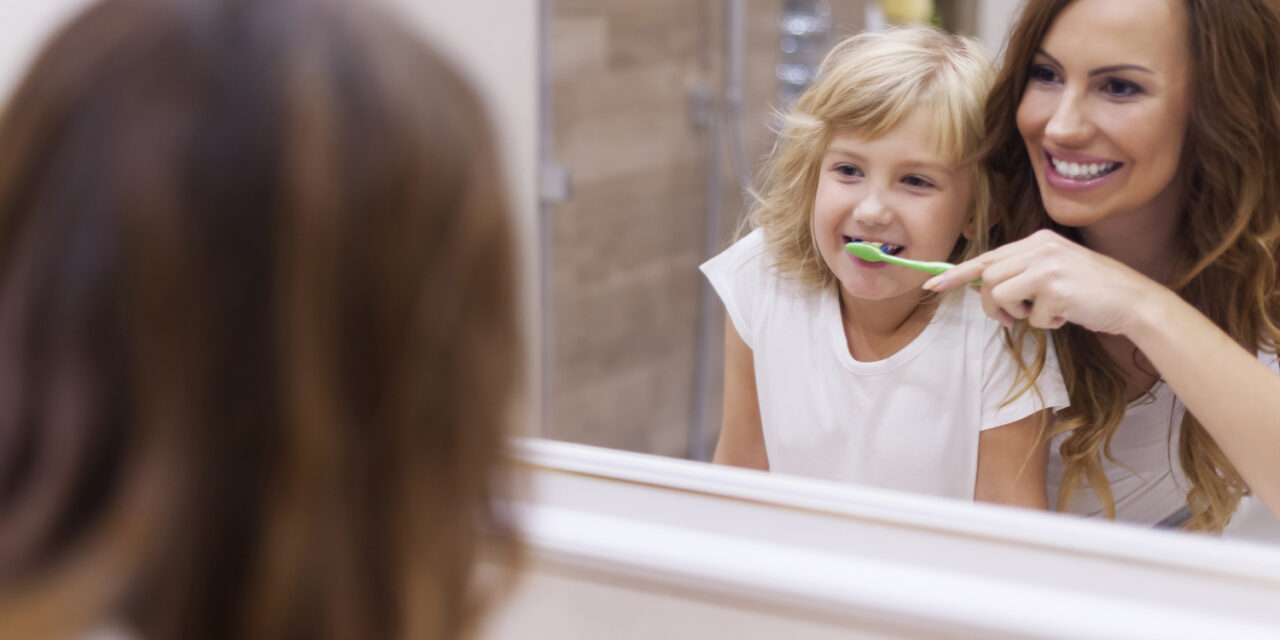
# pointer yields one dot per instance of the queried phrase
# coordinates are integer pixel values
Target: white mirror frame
(625, 545)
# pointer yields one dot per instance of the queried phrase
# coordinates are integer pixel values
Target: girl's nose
(872, 210)
(1070, 123)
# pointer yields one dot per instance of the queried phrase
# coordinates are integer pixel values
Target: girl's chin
(871, 292)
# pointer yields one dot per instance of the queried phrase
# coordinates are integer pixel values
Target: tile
(618, 144)
(641, 315)
(644, 409)
(629, 222)
(580, 45)
(625, 285)
(664, 86)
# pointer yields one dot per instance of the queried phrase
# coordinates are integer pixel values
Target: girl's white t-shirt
(908, 422)
(1146, 477)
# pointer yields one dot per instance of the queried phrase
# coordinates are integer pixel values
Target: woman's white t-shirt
(908, 422)
(1146, 477)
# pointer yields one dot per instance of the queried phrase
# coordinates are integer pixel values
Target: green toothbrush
(870, 251)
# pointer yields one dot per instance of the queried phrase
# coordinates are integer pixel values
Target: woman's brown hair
(258, 327)
(1230, 223)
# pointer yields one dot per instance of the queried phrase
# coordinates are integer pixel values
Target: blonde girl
(843, 369)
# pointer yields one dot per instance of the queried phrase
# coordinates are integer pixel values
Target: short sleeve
(1001, 380)
(739, 276)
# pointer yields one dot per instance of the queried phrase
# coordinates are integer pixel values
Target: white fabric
(907, 422)
(1146, 477)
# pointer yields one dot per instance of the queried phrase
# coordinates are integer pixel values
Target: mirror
(657, 118)
(628, 546)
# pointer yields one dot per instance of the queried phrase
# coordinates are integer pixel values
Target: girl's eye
(848, 170)
(1121, 88)
(1042, 73)
(917, 181)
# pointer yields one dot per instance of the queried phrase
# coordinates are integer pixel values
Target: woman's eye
(848, 170)
(917, 181)
(1121, 88)
(1042, 73)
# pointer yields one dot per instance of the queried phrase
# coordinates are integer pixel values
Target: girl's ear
(970, 229)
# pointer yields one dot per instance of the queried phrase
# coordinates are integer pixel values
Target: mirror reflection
(669, 131)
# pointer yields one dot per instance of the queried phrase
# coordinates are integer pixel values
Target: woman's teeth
(1083, 171)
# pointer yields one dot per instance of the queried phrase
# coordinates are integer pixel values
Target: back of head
(870, 83)
(257, 311)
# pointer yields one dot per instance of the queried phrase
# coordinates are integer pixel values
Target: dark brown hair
(1230, 224)
(258, 327)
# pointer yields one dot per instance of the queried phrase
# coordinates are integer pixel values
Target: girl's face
(1104, 112)
(896, 189)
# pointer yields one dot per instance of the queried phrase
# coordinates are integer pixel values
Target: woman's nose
(1069, 124)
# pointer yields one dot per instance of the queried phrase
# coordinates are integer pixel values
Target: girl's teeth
(891, 249)
(1083, 171)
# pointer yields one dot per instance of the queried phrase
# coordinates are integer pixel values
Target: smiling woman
(1135, 180)
(1097, 130)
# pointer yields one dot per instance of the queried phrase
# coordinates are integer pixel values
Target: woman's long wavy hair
(1230, 225)
(257, 317)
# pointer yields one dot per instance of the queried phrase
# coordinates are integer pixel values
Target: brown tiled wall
(626, 246)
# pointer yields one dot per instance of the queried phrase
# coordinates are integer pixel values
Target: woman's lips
(1061, 182)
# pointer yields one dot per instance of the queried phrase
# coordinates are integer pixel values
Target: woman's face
(1104, 112)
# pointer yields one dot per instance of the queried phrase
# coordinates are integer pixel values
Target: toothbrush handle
(934, 268)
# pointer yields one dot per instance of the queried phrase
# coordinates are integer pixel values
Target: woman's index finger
(963, 273)
(971, 270)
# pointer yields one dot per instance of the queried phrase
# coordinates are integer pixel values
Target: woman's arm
(1013, 461)
(741, 434)
(1235, 397)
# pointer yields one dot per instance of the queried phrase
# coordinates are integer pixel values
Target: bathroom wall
(23, 29)
(626, 245)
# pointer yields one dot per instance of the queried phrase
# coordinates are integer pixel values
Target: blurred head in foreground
(257, 328)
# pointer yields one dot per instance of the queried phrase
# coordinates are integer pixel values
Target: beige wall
(23, 28)
(994, 17)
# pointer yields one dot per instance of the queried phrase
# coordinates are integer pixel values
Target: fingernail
(932, 284)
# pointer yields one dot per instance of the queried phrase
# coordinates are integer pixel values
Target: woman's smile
(1073, 172)
(1101, 122)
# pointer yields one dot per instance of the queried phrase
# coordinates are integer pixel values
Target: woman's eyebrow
(1100, 70)
(1042, 52)
(1119, 67)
